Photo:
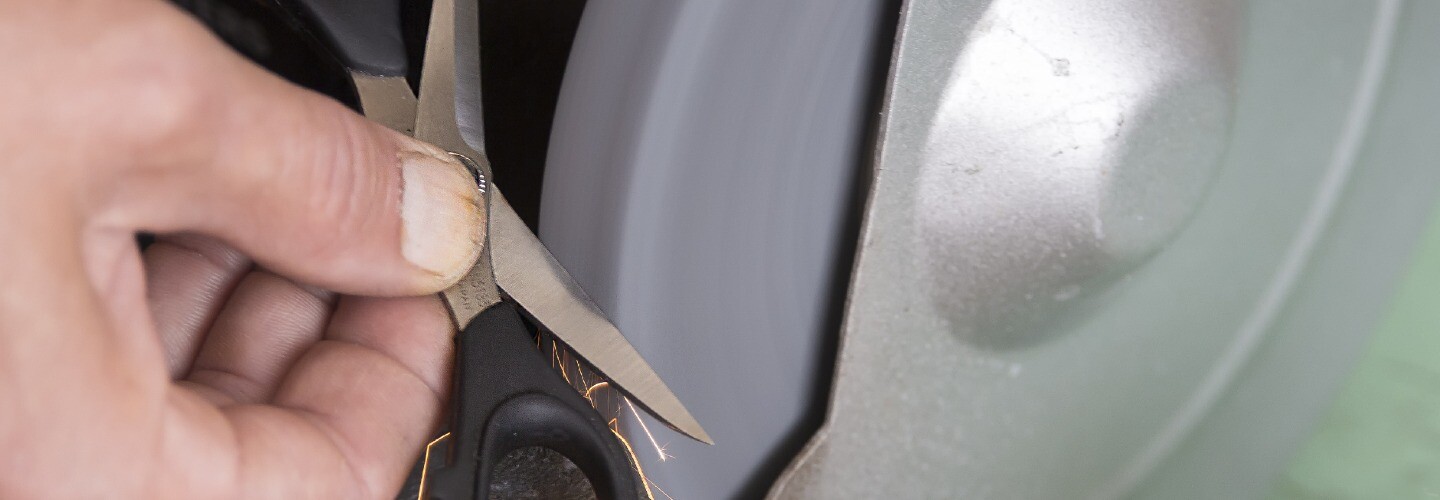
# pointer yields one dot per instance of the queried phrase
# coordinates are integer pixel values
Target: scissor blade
(386, 99)
(527, 272)
(523, 268)
(452, 22)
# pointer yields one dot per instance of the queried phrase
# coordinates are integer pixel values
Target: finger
(188, 278)
(213, 452)
(299, 182)
(376, 384)
(356, 410)
(264, 328)
(351, 423)
(65, 359)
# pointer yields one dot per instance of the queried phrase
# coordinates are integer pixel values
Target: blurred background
(1381, 436)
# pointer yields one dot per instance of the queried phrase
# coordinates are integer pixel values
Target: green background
(1381, 438)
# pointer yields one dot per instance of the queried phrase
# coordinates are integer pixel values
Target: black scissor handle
(507, 396)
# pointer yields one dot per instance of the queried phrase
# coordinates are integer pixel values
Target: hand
(218, 363)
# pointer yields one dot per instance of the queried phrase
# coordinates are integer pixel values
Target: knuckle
(170, 105)
(161, 83)
(121, 76)
(343, 190)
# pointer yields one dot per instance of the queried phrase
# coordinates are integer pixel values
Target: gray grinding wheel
(699, 179)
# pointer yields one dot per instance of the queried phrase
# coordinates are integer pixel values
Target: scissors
(506, 395)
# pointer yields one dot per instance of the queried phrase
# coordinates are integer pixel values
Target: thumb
(307, 187)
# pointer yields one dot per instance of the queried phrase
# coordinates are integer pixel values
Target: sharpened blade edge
(535, 280)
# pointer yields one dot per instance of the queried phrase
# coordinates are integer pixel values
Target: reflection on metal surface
(1071, 142)
(1125, 317)
(1034, 153)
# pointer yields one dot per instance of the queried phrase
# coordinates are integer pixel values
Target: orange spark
(425, 465)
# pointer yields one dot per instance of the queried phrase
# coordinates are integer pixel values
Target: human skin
(279, 339)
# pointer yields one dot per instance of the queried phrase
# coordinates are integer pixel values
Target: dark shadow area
(273, 36)
(537, 472)
(524, 47)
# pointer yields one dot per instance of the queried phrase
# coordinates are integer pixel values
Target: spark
(593, 388)
(580, 370)
(644, 481)
(425, 465)
(662, 492)
(560, 358)
(658, 449)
